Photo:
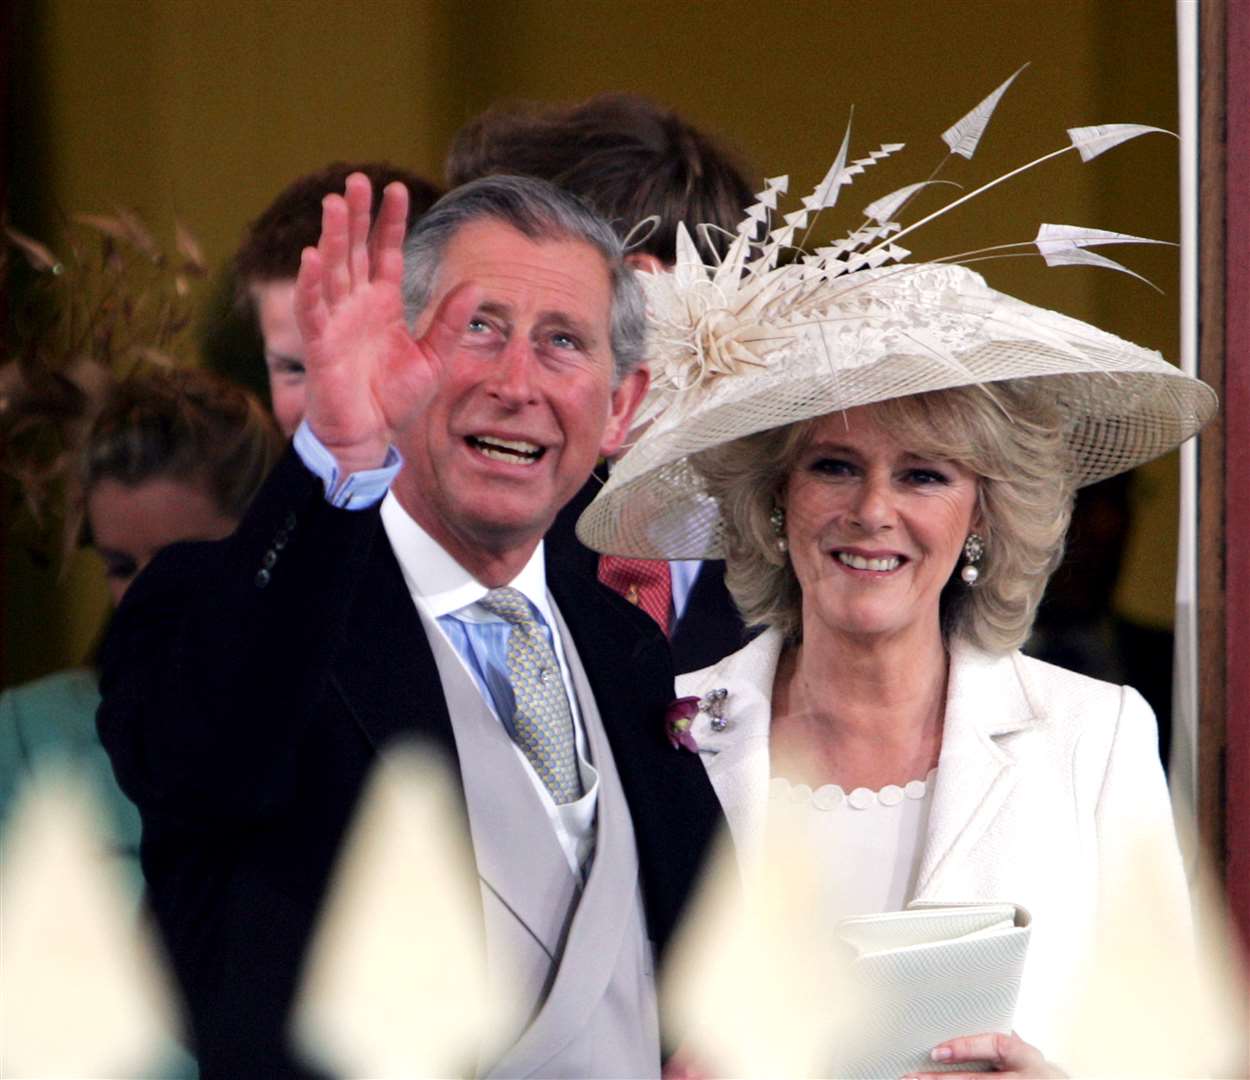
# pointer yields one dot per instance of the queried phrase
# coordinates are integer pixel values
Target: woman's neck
(858, 711)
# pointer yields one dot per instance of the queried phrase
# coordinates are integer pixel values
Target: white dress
(867, 843)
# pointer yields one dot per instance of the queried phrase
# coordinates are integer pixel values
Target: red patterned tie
(644, 582)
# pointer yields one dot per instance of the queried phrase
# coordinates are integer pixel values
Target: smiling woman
(1009, 437)
(886, 457)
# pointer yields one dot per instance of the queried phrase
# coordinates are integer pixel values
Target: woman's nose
(873, 507)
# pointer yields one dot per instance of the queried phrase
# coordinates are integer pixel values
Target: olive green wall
(205, 111)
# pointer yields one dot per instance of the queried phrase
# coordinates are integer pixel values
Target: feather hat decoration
(774, 334)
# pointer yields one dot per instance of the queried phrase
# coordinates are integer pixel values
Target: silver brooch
(713, 703)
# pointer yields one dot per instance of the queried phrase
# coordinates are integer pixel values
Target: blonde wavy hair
(1009, 434)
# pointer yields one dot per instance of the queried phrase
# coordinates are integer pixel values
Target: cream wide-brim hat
(857, 339)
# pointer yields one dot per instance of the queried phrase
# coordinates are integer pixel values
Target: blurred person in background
(171, 456)
(257, 290)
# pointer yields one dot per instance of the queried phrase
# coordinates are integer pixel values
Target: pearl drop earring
(974, 548)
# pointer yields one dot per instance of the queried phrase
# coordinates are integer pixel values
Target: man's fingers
(386, 243)
(309, 302)
(358, 194)
(438, 334)
(335, 276)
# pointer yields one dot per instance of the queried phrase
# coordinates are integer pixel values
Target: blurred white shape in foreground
(1154, 999)
(757, 982)
(395, 983)
(84, 985)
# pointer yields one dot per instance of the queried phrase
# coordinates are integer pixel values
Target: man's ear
(641, 260)
(627, 395)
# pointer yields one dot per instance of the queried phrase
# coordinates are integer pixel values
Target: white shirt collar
(439, 584)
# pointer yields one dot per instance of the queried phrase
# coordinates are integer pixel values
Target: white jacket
(1046, 783)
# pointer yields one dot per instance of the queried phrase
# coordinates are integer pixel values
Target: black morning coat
(248, 685)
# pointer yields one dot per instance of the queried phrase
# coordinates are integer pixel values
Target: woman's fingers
(1007, 1055)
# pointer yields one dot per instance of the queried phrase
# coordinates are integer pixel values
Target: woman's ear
(641, 260)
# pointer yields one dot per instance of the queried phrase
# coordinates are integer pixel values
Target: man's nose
(513, 373)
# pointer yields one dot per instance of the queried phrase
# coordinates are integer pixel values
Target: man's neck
(493, 561)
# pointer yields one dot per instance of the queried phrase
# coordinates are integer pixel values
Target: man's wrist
(347, 486)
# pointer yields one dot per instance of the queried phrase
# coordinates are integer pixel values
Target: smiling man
(390, 582)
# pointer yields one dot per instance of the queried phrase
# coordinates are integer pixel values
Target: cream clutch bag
(932, 972)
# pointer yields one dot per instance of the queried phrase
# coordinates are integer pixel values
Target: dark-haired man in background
(630, 160)
(262, 277)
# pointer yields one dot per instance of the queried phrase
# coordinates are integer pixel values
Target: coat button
(262, 578)
(270, 558)
(279, 539)
(289, 522)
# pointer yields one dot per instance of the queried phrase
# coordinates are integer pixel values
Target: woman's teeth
(858, 562)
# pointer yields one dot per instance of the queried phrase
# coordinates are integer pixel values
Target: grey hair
(541, 212)
(1011, 435)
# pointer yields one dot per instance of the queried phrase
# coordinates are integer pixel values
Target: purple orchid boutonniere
(677, 720)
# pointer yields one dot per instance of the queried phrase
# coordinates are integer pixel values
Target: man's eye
(477, 326)
(120, 569)
(565, 341)
(283, 365)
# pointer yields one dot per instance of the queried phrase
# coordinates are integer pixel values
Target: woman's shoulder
(754, 665)
(1058, 688)
(1075, 711)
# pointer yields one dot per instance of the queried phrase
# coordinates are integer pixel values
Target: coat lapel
(385, 671)
(603, 913)
(737, 758)
(977, 769)
(672, 806)
(533, 880)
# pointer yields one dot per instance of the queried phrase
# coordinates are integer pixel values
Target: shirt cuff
(356, 491)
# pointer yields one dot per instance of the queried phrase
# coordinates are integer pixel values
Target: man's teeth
(514, 451)
(858, 562)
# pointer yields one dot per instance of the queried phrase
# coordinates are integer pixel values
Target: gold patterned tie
(542, 720)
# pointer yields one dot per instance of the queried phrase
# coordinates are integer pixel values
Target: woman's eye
(832, 467)
(924, 477)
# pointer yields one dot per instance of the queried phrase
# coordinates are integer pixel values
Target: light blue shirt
(483, 646)
(358, 490)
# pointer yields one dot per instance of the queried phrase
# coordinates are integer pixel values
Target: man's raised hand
(367, 378)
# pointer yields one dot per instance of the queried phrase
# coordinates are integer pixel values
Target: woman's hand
(1006, 1055)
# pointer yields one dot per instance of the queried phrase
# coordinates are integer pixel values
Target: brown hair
(625, 156)
(272, 243)
(184, 424)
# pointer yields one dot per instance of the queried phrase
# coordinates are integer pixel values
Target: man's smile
(512, 451)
